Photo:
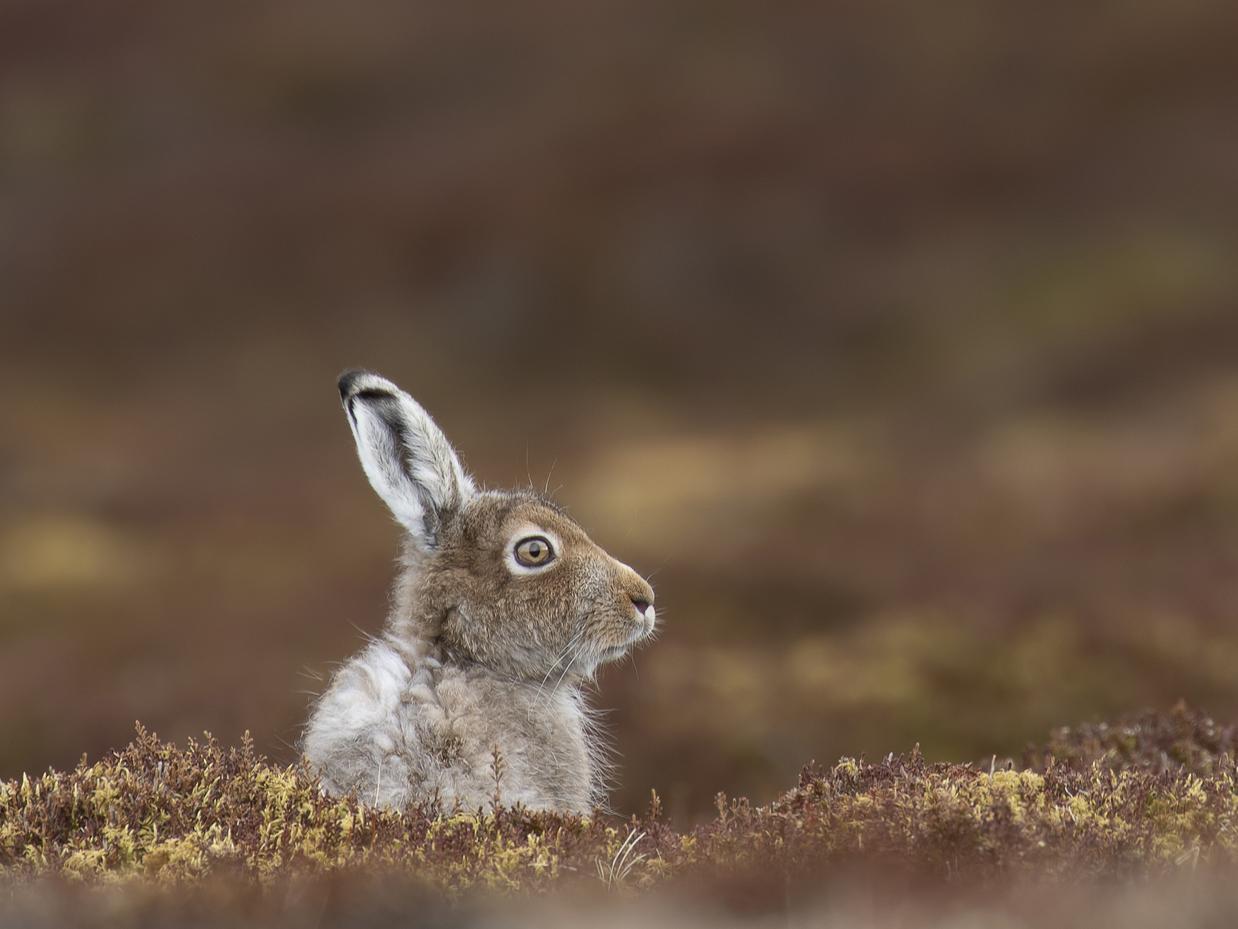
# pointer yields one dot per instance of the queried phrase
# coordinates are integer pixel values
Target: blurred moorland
(897, 342)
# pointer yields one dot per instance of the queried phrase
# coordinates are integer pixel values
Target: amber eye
(534, 551)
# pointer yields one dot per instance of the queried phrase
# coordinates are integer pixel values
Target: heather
(1146, 796)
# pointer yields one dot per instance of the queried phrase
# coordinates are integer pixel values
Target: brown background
(897, 340)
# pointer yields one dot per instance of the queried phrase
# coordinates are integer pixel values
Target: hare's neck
(409, 630)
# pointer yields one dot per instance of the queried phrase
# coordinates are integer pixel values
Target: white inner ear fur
(524, 532)
(379, 452)
(407, 458)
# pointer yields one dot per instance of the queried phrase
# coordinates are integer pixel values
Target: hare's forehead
(496, 516)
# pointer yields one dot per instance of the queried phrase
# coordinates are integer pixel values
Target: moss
(1096, 800)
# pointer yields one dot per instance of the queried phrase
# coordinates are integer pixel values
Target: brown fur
(473, 691)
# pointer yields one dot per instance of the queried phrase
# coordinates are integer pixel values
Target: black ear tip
(348, 381)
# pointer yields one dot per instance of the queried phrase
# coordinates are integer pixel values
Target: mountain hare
(502, 609)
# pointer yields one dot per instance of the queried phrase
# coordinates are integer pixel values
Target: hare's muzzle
(636, 590)
(646, 616)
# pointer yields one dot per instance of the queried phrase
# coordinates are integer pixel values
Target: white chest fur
(397, 726)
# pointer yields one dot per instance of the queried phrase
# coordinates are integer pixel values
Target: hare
(503, 609)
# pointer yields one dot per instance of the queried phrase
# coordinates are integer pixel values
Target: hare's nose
(642, 606)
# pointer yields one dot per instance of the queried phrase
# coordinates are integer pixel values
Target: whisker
(286, 744)
(665, 562)
(567, 667)
(562, 655)
(368, 637)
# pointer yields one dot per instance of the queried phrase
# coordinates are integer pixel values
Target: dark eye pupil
(534, 552)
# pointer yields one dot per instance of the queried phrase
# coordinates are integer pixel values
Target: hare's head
(502, 578)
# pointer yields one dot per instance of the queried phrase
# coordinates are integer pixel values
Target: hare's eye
(534, 551)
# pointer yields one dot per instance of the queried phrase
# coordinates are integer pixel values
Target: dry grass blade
(622, 862)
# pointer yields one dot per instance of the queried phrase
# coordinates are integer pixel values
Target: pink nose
(642, 606)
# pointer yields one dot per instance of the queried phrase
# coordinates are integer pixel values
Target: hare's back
(365, 731)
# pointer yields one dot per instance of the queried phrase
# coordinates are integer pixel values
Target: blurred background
(898, 341)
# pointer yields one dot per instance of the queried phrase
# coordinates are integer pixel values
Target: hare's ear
(405, 455)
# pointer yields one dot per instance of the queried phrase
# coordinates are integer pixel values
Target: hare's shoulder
(376, 687)
(370, 731)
